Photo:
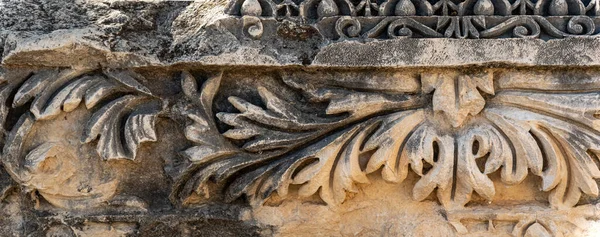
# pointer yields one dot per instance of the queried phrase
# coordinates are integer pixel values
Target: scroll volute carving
(353, 20)
(64, 180)
(51, 157)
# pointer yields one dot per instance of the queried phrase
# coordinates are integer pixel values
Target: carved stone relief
(300, 118)
(389, 19)
(273, 135)
(453, 128)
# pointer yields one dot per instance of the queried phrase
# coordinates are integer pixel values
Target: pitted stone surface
(299, 118)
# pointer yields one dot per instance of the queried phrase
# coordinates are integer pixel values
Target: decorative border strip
(319, 9)
(343, 20)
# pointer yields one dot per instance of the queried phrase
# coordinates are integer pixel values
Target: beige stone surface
(299, 118)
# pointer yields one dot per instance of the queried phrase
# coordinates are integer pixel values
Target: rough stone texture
(299, 118)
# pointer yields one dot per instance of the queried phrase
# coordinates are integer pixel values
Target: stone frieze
(368, 20)
(299, 118)
(263, 137)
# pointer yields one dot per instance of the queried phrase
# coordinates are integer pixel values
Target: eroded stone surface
(299, 118)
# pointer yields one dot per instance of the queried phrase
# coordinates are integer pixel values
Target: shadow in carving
(451, 128)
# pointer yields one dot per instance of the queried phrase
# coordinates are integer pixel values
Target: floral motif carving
(55, 91)
(522, 221)
(313, 9)
(451, 128)
(459, 132)
(425, 19)
(123, 116)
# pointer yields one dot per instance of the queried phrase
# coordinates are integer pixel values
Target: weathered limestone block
(300, 118)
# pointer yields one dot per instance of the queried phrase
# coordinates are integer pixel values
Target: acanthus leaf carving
(457, 97)
(124, 115)
(472, 130)
(55, 91)
(448, 133)
(203, 122)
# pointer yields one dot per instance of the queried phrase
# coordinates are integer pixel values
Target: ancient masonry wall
(299, 118)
